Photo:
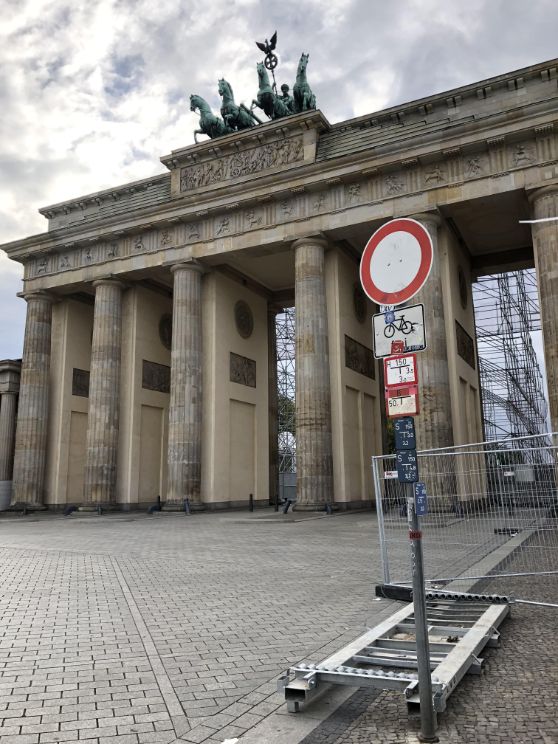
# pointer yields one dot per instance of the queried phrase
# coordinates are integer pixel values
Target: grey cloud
(75, 122)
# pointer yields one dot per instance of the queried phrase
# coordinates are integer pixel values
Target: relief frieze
(359, 358)
(155, 377)
(272, 155)
(465, 345)
(394, 185)
(242, 370)
(453, 169)
(80, 382)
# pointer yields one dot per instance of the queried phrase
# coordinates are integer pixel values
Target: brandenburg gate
(149, 362)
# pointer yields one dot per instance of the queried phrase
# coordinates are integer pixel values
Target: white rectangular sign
(400, 371)
(402, 405)
(405, 324)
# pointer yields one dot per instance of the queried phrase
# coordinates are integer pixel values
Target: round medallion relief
(244, 319)
(463, 290)
(165, 330)
(359, 303)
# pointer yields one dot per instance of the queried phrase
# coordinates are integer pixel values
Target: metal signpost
(395, 265)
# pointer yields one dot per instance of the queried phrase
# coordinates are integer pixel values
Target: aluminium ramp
(385, 656)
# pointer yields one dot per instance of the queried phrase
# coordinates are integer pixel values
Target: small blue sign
(421, 502)
(389, 317)
(407, 466)
(404, 430)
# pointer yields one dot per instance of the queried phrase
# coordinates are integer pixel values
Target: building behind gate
(149, 363)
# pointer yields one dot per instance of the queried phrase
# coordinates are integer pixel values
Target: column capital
(188, 266)
(535, 194)
(317, 240)
(108, 281)
(432, 218)
(39, 294)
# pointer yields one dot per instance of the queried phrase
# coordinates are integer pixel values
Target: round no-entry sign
(396, 261)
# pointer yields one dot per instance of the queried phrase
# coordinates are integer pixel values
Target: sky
(92, 94)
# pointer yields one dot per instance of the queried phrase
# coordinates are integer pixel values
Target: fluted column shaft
(104, 395)
(434, 424)
(7, 434)
(185, 409)
(545, 246)
(314, 459)
(32, 419)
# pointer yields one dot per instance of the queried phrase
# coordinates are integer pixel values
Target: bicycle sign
(405, 325)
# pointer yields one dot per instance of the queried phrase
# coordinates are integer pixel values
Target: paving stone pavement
(144, 630)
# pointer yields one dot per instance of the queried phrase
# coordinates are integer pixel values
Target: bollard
(251, 502)
(159, 506)
(276, 502)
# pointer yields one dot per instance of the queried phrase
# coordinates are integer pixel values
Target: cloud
(12, 309)
(92, 94)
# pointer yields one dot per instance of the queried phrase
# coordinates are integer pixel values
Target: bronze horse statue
(267, 99)
(304, 99)
(210, 124)
(236, 117)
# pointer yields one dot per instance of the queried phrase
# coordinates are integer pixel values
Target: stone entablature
(439, 176)
(244, 194)
(10, 373)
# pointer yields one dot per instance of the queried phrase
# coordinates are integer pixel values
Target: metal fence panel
(488, 504)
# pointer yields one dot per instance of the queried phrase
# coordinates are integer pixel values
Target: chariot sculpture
(235, 117)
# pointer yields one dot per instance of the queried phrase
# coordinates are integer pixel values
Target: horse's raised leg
(196, 132)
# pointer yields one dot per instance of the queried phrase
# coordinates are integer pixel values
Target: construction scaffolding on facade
(512, 385)
(285, 340)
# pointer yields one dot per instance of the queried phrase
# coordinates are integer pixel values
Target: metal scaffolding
(512, 386)
(285, 333)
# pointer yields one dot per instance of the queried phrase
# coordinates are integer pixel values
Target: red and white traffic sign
(396, 261)
(400, 370)
(402, 401)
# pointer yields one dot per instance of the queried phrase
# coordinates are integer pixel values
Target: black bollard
(251, 502)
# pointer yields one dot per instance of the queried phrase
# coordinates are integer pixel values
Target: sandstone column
(7, 434)
(545, 246)
(185, 409)
(104, 395)
(434, 425)
(32, 419)
(314, 461)
(273, 406)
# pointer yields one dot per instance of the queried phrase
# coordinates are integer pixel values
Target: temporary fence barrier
(492, 510)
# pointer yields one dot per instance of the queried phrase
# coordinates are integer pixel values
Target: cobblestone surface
(173, 630)
(145, 630)
(512, 701)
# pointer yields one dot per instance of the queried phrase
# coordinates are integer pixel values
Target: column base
(90, 508)
(20, 506)
(5, 494)
(179, 507)
(312, 507)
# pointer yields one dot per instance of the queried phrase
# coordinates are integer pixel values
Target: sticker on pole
(396, 262)
(404, 326)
